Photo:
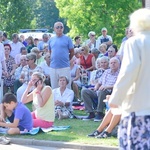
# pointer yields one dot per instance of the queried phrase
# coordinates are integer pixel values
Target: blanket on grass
(35, 131)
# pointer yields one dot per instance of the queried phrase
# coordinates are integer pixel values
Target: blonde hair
(35, 50)
(103, 45)
(140, 20)
(40, 75)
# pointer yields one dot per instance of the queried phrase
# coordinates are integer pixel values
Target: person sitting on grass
(18, 114)
(63, 98)
(107, 125)
(42, 97)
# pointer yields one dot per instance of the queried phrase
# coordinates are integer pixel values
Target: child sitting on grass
(17, 113)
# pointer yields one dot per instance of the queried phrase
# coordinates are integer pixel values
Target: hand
(102, 88)
(2, 119)
(39, 85)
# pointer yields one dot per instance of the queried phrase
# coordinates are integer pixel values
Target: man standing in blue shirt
(62, 50)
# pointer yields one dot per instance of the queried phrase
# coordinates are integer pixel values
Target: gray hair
(100, 59)
(31, 56)
(140, 20)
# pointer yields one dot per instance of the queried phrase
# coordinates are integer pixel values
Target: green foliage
(46, 14)
(86, 15)
(15, 15)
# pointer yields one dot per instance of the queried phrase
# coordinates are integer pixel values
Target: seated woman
(108, 123)
(27, 72)
(42, 97)
(63, 98)
(75, 76)
(103, 50)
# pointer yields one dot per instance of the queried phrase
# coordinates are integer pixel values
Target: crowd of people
(55, 72)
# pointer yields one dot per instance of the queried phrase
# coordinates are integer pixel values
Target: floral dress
(9, 81)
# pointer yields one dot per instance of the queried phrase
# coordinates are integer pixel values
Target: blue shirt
(22, 113)
(41, 45)
(60, 48)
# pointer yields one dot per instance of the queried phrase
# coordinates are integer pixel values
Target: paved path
(28, 147)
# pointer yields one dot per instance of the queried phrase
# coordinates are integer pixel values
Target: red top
(86, 63)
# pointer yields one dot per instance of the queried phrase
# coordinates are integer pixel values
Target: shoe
(104, 134)
(4, 140)
(89, 117)
(99, 117)
(94, 134)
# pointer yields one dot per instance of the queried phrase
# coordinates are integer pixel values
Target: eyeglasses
(59, 27)
(82, 49)
(23, 60)
(28, 59)
(103, 31)
(7, 48)
(110, 51)
(92, 35)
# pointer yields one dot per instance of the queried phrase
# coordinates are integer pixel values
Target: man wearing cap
(104, 38)
(91, 42)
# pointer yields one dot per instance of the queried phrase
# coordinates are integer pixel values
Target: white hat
(104, 29)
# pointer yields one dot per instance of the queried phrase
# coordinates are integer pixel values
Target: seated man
(17, 113)
(102, 88)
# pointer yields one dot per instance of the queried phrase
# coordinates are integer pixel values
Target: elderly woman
(112, 51)
(9, 79)
(39, 56)
(131, 91)
(26, 73)
(63, 98)
(103, 50)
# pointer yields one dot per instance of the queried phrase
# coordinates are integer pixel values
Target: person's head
(104, 31)
(114, 63)
(15, 37)
(77, 52)
(36, 51)
(23, 50)
(9, 101)
(47, 58)
(112, 50)
(103, 48)
(102, 62)
(45, 37)
(1, 36)
(30, 40)
(23, 60)
(77, 40)
(91, 34)
(140, 20)
(7, 49)
(30, 58)
(45, 47)
(95, 52)
(63, 81)
(4, 36)
(37, 77)
(36, 41)
(85, 49)
(58, 28)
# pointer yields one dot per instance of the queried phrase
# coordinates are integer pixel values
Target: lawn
(77, 132)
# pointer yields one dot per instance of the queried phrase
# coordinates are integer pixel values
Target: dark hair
(5, 34)
(115, 47)
(8, 46)
(22, 48)
(9, 97)
(76, 38)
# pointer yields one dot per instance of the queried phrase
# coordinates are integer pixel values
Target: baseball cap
(104, 29)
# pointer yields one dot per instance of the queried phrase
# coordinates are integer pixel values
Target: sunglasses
(92, 35)
(82, 49)
(59, 27)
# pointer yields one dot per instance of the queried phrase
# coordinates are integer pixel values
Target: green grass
(77, 132)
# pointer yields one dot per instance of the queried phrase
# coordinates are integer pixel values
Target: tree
(86, 15)
(15, 15)
(47, 14)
